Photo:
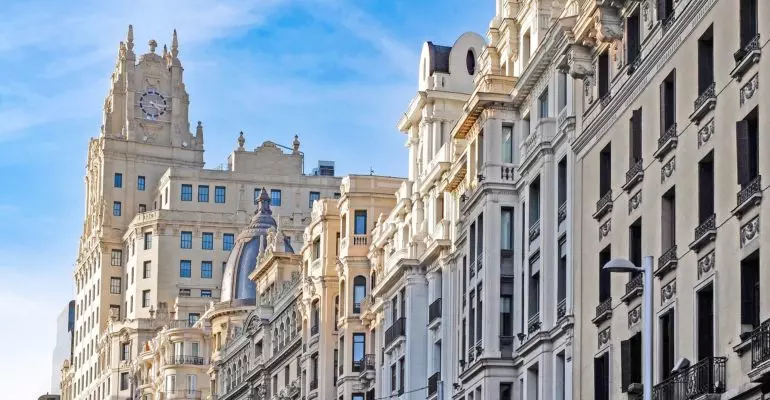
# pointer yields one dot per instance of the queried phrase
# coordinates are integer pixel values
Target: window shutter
(626, 361)
(662, 108)
(637, 129)
(742, 146)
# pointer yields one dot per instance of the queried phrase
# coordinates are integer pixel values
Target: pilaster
(416, 337)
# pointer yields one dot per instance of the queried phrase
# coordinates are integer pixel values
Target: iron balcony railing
(433, 383)
(369, 361)
(314, 384)
(395, 331)
(760, 344)
(191, 360)
(561, 308)
(754, 187)
(314, 330)
(707, 376)
(434, 310)
(604, 307)
(709, 224)
(636, 282)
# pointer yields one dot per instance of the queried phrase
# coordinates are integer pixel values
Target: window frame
(220, 194)
(207, 266)
(186, 193)
(203, 193)
(185, 269)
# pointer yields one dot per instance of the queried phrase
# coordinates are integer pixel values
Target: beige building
(670, 110)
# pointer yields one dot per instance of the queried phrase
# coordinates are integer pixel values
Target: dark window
(147, 270)
(668, 220)
(602, 377)
(633, 36)
(665, 9)
(118, 180)
(667, 340)
(543, 104)
(562, 77)
(275, 197)
(635, 149)
(186, 192)
(748, 21)
(147, 240)
(220, 194)
(507, 147)
(480, 152)
(747, 138)
(635, 244)
(228, 241)
(605, 170)
(668, 102)
(631, 361)
(470, 62)
(706, 60)
(207, 270)
(359, 348)
(116, 258)
(185, 269)
(605, 290)
(604, 74)
(205, 292)
(506, 391)
(401, 374)
(145, 298)
(203, 193)
(337, 195)
(116, 209)
(705, 336)
(562, 176)
(192, 318)
(534, 201)
(207, 241)
(479, 314)
(140, 183)
(313, 197)
(184, 292)
(115, 285)
(506, 313)
(534, 294)
(360, 222)
(186, 240)
(142, 208)
(706, 187)
(125, 351)
(124, 381)
(561, 282)
(317, 248)
(393, 378)
(359, 292)
(750, 290)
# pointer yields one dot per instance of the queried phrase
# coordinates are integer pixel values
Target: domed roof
(250, 244)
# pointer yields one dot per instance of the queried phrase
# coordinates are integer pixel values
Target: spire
(165, 52)
(130, 38)
(241, 141)
(174, 45)
(295, 144)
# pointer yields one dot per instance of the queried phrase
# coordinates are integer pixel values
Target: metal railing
(669, 134)
(604, 307)
(708, 93)
(706, 226)
(369, 362)
(533, 325)
(604, 201)
(433, 383)
(760, 344)
(395, 331)
(314, 384)
(182, 359)
(707, 376)
(636, 282)
(183, 394)
(754, 187)
(434, 310)
(314, 330)
(667, 257)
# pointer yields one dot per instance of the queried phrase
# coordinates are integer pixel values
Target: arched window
(470, 62)
(359, 292)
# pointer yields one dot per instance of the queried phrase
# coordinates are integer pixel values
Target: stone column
(548, 242)
(416, 337)
(491, 294)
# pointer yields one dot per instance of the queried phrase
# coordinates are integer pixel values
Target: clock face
(152, 104)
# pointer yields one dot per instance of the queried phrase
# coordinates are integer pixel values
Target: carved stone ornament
(748, 90)
(579, 61)
(635, 316)
(634, 201)
(705, 133)
(608, 24)
(617, 55)
(604, 337)
(667, 292)
(647, 14)
(706, 263)
(605, 229)
(668, 169)
(750, 231)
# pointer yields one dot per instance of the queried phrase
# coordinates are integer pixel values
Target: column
(416, 337)
(491, 271)
(548, 243)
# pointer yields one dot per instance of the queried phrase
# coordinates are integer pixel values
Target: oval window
(470, 62)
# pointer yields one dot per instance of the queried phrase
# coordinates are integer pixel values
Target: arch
(470, 61)
(359, 292)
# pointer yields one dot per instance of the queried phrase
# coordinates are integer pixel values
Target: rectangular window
(275, 197)
(561, 279)
(667, 340)
(316, 248)
(747, 145)
(706, 60)
(631, 362)
(147, 270)
(750, 290)
(706, 187)
(633, 36)
(705, 311)
(205, 292)
(116, 209)
(393, 378)
(115, 285)
(605, 170)
(142, 208)
(145, 298)
(534, 294)
(184, 292)
(185, 269)
(668, 220)
(635, 148)
(665, 9)
(313, 197)
(668, 103)
(359, 348)
(192, 318)
(604, 74)
(203, 193)
(526, 47)
(506, 228)
(220, 194)
(147, 240)
(207, 270)
(207, 241)
(507, 147)
(401, 375)
(480, 153)
(360, 222)
(561, 195)
(506, 315)
(543, 104)
(118, 180)
(186, 238)
(635, 244)
(534, 202)
(748, 21)
(228, 241)
(337, 195)
(125, 351)
(186, 192)
(604, 275)
(140, 183)
(124, 381)
(471, 319)
(116, 258)
(562, 81)
(602, 377)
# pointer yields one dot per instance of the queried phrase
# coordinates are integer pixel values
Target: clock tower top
(147, 102)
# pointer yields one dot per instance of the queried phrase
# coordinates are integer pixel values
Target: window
(316, 248)
(635, 131)
(359, 348)
(118, 180)
(506, 314)
(533, 383)
(665, 9)
(635, 244)
(668, 103)
(192, 381)
(140, 183)
(747, 139)
(506, 228)
(360, 222)
(393, 378)
(184, 292)
(507, 148)
(631, 361)
(706, 187)
(748, 21)
(186, 192)
(125, 351)
(124, 381)
(604, 74)
(604, 276)
(542, 103)
(275, 197)
(337, 195)
(668, 220)
(186, 240)
(401, 375)
(142, 208)
(525, 126)
(115, 285)
(116, 209)
(185, 269)
(145, 298)
(206, 269)
(602, 377)
(562, 80)
(561, 195)
(534, 293)
(116, 258)
(526, 49)
(192, 318)
(207, 241)
(706, 60)
(115, 309)
(667, 340)
(471, 319)
(480, 153)
(470, 62)
(220, 194)
(561, 279)
(605, 170)
(705, 321)
(205, 292)
(633, 36)
(203, 193)
(147, 270)
(313, 197)
(534, 202)
(750, 290)
(228, 241)
(359, 292)
(147, 240)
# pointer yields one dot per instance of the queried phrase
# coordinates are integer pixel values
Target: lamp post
(623, 265)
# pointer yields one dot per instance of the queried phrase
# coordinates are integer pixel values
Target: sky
(338, 73)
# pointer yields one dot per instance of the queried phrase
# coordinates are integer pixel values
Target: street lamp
(623, 265)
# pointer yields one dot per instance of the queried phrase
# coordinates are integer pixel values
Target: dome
(249, 246)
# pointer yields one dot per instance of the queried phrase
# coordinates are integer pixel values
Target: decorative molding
(706, 264)
(604, 337)
(605, 229)
(668, 292)
(748, 90)
(668, 169)
(635, 201)
(705, 133)
(635, 316)
(749, 231)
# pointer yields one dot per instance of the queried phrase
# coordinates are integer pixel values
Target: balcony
(603, 311)
(561, 309)
(368, 365)
(666, 142)
(534, 231)
(634, 175)
(397, 330)
(433, 383)
(706, 377)
(360, 240)
(634, 288)
(508, 173)
(705, 232)
(533, 325)
(604, 205)
(540, 138)
(434, 310)
(186, 360)
(760, 353)
(749, 196)
(705, 103)
(183, 394)
(667, 262)
(314, 384)
(314, 330)
(746, 57)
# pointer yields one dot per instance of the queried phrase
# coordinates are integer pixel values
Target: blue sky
(338, 73)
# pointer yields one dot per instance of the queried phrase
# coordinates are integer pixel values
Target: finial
(174, 45)
(199, 131)
(165, 52)
(241, 141)
(130, 40)
(295, 144)
(153, 44)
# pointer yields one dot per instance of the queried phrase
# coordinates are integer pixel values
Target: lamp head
(621, 265)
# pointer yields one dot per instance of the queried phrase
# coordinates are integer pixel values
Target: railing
(635, 170)
(750, 47)
(433, 383)
(604, 307)
(533, 325)
(561, 308)
(314, 384)
(183, 394)
(507, 172)
(360, 240)
(314, 330)
(754, 187)
(707, 376)
(369, 362)
(179, 323)
(707, 94)
(534, 231)
(669, 134)
(395, 331)
(760, 344)
(479, 261)
(604, 201)
(667, 257)
(434, 310)
(709, 224)
(562, 215)
(192, 360)
(636, 282)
